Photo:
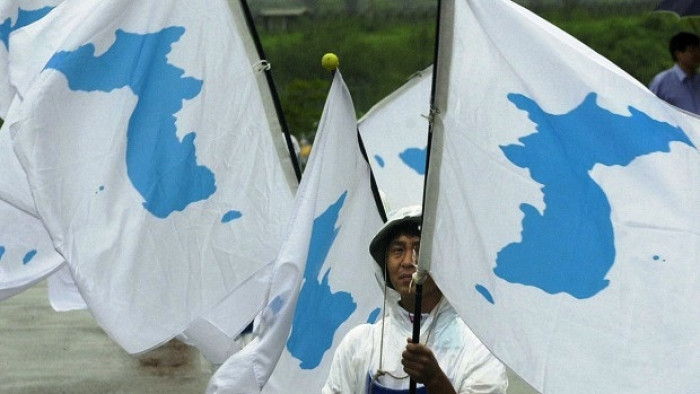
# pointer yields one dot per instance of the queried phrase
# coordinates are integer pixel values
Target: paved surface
(45, 352)
(42, 351)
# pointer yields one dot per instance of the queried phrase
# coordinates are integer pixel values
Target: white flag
(326, 247)
(154, 157)
(563, 210)
(339, 290)
(395, 133)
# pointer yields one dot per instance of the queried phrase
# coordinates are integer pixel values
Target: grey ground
(46, 352)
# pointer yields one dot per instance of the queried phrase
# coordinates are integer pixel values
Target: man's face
(401, 260)
(690, 57)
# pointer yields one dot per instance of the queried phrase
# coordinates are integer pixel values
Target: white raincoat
(463, 358)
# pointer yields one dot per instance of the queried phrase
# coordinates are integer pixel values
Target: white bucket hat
(406, 216)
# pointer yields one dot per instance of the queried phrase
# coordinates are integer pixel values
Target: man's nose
(410, 257)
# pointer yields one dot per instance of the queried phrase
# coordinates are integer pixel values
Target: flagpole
(372, 181)
(273, 90)
(420, 275)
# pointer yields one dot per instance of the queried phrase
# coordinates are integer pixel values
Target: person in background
(380, 358)
(680, 84)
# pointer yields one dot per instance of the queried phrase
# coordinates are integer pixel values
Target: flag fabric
(155, 158)
(339, 290)
(562, 216)
(14, 15)
(26, 252)
(64, 295)
(27, 255)
(323, 281)
(395, 133)
(216, 333)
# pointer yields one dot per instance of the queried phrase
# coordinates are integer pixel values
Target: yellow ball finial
(330, 61)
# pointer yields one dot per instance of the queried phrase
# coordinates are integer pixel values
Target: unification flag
(155, 158)
(339, 290)
(395, 133)
(324, 280)
(563, 207)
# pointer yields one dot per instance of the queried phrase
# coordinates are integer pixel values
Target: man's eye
(396, 250)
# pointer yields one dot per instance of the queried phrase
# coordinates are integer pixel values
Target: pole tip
(330, 61)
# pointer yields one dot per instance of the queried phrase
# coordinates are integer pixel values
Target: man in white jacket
(380, 358)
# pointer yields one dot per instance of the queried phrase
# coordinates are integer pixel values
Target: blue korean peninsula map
(319, 310)
(162, 168)
(569, 247)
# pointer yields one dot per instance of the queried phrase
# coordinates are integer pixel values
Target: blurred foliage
(637, 43)
(303, 98)
(375, 59)
(379, 52)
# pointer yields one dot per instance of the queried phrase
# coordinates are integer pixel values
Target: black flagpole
(372, 181)
(419, 284)
(273, 91)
